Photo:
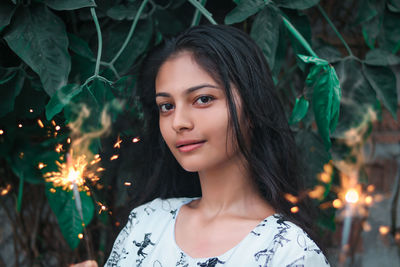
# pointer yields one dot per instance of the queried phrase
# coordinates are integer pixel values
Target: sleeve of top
(119, 252)
(300, 251)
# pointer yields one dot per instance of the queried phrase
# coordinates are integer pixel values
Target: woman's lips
(190, 147)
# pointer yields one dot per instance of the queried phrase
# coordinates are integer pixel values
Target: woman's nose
(182, 120)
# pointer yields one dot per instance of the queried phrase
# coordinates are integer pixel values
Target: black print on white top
(147, 241)
(142, 245)
(279, 240)
(210, 262)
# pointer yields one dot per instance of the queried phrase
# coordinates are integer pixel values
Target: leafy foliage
(60, 55)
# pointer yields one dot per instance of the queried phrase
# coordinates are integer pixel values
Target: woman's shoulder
(160, 207)
(291, 245)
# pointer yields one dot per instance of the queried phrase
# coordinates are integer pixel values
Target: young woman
(222, 158)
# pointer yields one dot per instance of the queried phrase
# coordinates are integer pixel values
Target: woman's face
(193, 115)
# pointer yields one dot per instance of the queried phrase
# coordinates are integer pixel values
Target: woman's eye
(204, 99)
(165, 107)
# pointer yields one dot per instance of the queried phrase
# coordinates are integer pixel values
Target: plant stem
(197, 14)
(334, 29)
(20, 193)
(298, 36)
(100, 47)
(132, 29)
(203, 11)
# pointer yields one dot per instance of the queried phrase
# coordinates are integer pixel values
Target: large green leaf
(297, 4)
(391, 32)
(359, 97)
(10, 86)
(79, 46)
(244, 10)
(168, 23)
(69, 4)
(6, 12)
(114, 37)
(121, 12)
(383, 80)
(394, 5)
(326, 96)
(299, 111)
(313, 155)
(38, 37)
(380, 57)
(60, 99)
(64, 207)
(265, 32)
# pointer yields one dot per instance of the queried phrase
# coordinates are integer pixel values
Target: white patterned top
(148, 239)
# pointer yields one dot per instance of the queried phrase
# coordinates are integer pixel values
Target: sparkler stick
(78, 203)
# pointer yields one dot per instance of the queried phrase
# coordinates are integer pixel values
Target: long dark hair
(230, 57)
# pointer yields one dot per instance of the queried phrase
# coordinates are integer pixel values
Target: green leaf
(60, 99)
(299, 111)
(24, 160)
(122, 12)
(63, 205)
(10, 86)
(327, 52)
(6, 12)
(359, 95)
(114, 37)
(70, 4)
(245, 9)
(313, 154)
(326, 96)
(383, 81)
(265, 32)
(390, 39)
(168, 24)
(79, 46)
(38, 37)
(394, 5)
(380, 57)
(296, 4)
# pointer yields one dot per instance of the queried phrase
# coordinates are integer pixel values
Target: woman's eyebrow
(189, 90)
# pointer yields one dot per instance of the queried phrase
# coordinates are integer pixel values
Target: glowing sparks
(325, 177)
(384, 230)
(369, 200)
(317, 192)
(127, 183)
(118, 143)
(73, 172)
(1, 132)
(54, 123)
(370, 188)
(41, 165)
(80, 236)
(366, 226)
(102, 207)
(41, 125)
(58, 128)
(114, 157)
(136, 139)
(59, 148)
(68, 140)
(337, 204)
(100, 169)
(352, 196)
(52, 190)
(4, 191)
(294, 209)
(291, 198)
(30, 110)
(20, 125)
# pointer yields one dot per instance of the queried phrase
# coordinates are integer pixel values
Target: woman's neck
(229, 190)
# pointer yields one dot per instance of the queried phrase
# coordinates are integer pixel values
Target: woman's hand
(89, 263)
